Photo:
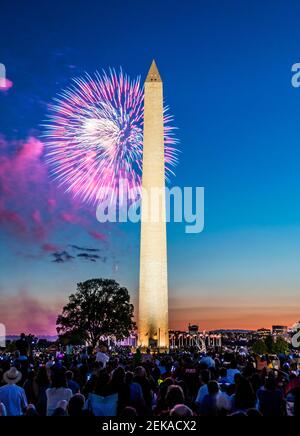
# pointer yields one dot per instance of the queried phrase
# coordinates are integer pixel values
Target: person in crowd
(29, 386)
(203, 390)
(135, 392)
(174, 396)
(23, 346)
(256, 381)
(21, 362)
(128, 413)
(19, 359)
(270, 398)
(58, 391)
(209, 406)
(161, 407)
(72, 384)
(296, 411)
(125, 384)
(102, 357)
(61, 409)
(12, 396)
(76, 405)
(232, 371)
(223, 379)
(244, 397)
(41, 384)
(118, 386)
(207, 362)
(181, 411)
(31, 410)
(141, 378)
(3, 410)
(98, 384)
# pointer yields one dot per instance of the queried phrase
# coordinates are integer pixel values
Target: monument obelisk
(153, 291)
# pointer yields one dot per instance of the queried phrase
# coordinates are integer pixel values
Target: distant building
(131, 341)
(263, 333)
(193, 328)
(193, 337)
(279, 330)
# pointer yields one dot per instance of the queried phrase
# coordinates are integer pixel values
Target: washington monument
(153, 291)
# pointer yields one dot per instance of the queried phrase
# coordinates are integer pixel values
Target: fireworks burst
(94, 136)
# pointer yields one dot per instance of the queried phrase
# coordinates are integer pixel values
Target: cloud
(49, 248)
(62, 257)
(51, 203)
(34, 210)
(91, 250)
(13, 221)
(39, 230)
(24, 313)
(20, 175)
(31, 206)
(85, 253)
(91, 257)
(65, 256)
(97, 235)
(71, 218)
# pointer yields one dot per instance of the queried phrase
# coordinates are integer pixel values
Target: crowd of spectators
(102, 382)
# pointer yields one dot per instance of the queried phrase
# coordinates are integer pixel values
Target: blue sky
(226, 67)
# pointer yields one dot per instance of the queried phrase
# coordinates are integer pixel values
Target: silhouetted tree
(100, 307)
(280, 346)
(259, 347)
(270, 346)
(269, 341)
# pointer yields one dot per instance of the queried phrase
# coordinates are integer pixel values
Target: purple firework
(94, 135)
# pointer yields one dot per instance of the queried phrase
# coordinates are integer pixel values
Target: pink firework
(94, 136)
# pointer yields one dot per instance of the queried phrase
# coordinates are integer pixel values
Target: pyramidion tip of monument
(153, 73)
